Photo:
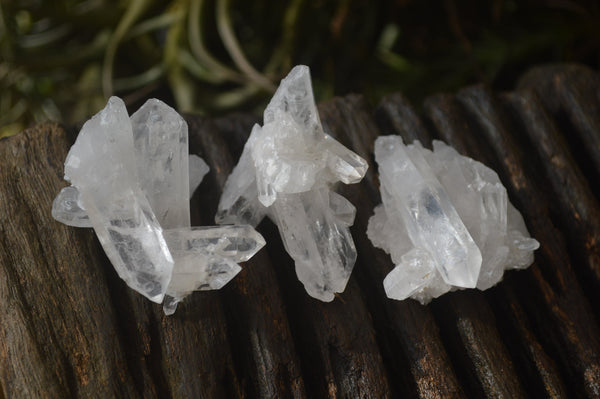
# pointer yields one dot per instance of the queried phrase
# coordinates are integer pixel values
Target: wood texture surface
(71, 328)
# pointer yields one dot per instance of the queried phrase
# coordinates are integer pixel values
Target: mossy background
(61, 59)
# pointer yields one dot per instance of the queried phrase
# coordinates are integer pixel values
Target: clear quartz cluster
(130, 181)
(445, 220)
(285, 172)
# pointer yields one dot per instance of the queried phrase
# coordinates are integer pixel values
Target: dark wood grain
(407, 328)
(533, 364)
(395, 115)
(53, 286)
(567, 321)
(572, 94)
(332, 363)
(473, 340)
(71, 328)
(267, 363)
(575, 208)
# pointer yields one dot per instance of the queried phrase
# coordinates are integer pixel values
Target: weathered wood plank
(395, 115)
(575, 208)
(58, 332)
(534, 364)
(567, 323)
(407, 327)
(334, 365)
(71, 328)
(267, 363)
(473, 340)
(531, 360)
(572, 94)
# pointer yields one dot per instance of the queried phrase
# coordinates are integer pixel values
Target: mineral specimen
(131, 182)
(286, 170)
(445, 220)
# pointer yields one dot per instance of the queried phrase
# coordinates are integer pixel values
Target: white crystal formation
(130, 181)
(286, 172)
(445, 220)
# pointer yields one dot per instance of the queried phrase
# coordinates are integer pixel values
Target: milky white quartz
(445, 220)
(130, 181)
(286, 172)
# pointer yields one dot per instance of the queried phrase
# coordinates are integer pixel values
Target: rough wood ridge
(70, 328)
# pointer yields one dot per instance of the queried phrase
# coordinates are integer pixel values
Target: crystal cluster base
(445, 220)
(286, 172)
(130, 181)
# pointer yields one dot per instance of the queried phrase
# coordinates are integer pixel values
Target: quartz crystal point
(286, 172)
(131, 181)
(445, 220)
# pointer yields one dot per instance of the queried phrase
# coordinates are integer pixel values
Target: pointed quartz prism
(285, 172)
(132, 179)
(206, 258)
(68, 209)
(238, 243)
(445, 220)
(414, 272)
(197, 170)
(239, 202)
(417, 197)
(101, 165)
(161, 149)
(319, 243)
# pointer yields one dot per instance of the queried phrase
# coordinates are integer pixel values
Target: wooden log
(71, 328)
(395, 115)
(334, 366)
(266, 362)
(408, 328)
(532, 362)
(471, 335)
(572, 94)
(59, 335)
(558, 289)
(575, 200)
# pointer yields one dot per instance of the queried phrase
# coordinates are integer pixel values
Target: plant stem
(233, 48)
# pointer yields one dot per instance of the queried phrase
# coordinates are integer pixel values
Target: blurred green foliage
(61, 59)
